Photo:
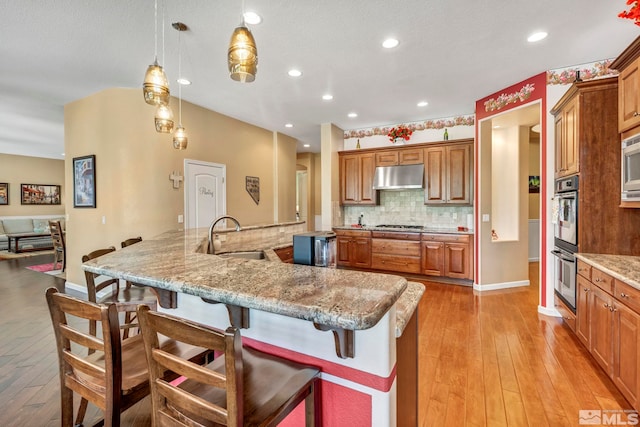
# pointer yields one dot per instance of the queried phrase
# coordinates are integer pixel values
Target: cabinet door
(410, 157)
(456, 260)
(626, 342)
(361, 252)
(570, 140)
(433, 258)
(458, 174)
(434, 165)
(387, 158)
(559, 152)
(368, 196)
(628, 97)
(583, 319)
(349, 179)
(342, 247)
(601, 306)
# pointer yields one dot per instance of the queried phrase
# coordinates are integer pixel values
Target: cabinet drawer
(395, 247)
(395, 235)
(567, 315)
(584, 270)
(628, 295)
(387, 158)
(602, 280)
(353, 233)
(399, 263)
(462, 238)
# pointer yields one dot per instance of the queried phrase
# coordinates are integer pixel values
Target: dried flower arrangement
(399, 132)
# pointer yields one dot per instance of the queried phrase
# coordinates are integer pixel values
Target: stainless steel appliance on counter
(315, 248)
(566, 239)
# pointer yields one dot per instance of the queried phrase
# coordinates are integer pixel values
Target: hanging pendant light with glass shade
(243, 54)
(164, 119)
(180, 139)
(155, 87)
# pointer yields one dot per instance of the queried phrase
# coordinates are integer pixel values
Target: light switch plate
(485, 217)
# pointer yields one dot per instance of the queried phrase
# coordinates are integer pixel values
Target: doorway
(205, 192)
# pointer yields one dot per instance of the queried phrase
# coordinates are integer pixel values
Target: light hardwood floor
(485, 359)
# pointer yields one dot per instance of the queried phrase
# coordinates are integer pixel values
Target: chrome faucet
(214, 223)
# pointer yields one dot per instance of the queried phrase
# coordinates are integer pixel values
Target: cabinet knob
(635, 114)
(623, 295)
(586, 289)
(598, 279)
(611, 309)
(605, 305)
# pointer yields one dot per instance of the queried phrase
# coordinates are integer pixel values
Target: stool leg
(82, 410)
(312, 406)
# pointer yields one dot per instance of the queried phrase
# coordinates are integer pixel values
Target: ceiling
(450, 54)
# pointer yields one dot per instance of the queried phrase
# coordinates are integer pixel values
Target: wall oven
(631, 168)
(565, 219)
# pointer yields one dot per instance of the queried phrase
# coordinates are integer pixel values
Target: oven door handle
(559, 255)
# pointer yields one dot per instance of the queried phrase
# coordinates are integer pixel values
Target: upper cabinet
(628, 64)
(448, 174)
(406, 156)
(566, 135)
(356, 179)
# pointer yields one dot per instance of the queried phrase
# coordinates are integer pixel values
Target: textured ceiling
(450, 54)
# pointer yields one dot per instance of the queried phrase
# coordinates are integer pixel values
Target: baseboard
(549, 311)
(82, 289)
(497, 286)
(536, 259)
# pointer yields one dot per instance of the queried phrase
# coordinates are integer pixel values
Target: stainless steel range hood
(398, 177)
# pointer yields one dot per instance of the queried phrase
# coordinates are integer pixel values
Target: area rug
(11, 255)
(47, 269)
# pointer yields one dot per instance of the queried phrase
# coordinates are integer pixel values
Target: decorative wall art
(84, 182)
(534, 184)
(4, 193)
(39, 194)
(253, 188)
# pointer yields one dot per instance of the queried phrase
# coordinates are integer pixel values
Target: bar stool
(129, 242)
(114, 374)
(242, 387)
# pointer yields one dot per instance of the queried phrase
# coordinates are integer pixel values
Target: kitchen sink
(245, 255)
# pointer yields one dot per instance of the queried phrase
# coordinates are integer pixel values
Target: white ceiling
(450, 54)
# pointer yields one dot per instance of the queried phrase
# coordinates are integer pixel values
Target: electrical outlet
(454, 215)
(104, 219)
(180, 219)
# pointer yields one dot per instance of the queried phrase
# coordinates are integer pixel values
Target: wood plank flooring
(485, 359)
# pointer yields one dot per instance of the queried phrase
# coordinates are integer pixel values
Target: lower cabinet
(399, 252)
(353, 248)
(447, 255)
(609, 327)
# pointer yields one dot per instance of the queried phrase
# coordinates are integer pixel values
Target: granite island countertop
(337, 298)
(625, 268)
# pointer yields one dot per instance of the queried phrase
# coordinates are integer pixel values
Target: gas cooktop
(410, 227)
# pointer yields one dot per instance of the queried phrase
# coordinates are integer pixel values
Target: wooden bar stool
(114, 374)
(242, 387)
(129, 242)
(59, 244)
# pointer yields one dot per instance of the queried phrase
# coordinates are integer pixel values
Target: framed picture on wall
(4, 193)
(534, 184)
(39, 194)
(84, 182)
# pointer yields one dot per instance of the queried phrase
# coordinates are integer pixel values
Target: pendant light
(180, 139)
(164, 119)
(243, 54)
(155, 88)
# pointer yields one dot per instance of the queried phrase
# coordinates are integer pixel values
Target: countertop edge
(407, 305)
(611, 264)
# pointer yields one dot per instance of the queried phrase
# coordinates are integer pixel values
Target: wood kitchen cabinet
(566, 137)
(407, 156)
(356, 179)
(353, 248)
(448, 174)
(608, 324)
(399, 252)
(628, 64)
(447, 255)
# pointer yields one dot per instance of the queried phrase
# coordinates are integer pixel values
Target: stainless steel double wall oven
(565, 239)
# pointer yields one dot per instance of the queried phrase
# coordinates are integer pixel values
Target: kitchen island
(346, 322)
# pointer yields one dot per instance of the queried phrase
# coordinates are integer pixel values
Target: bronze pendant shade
(243, 55)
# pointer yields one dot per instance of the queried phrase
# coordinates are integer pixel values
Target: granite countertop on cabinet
(625, 268)
(405, 230)
(337, 298)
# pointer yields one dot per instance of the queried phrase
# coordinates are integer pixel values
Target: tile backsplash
(407, 207)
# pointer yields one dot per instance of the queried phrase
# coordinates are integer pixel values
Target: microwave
(631, 168)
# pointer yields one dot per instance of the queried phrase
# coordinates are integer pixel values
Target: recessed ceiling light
(390, 43)
(295, 73)
(352, 115)
(307, 145)
(496, 127)
(327, 97)
(288, 125)
(423, 104)
(184, 81)
(536, 37)
(252, 18)
(62, 154)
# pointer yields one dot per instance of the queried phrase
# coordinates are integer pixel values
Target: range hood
(398, 177)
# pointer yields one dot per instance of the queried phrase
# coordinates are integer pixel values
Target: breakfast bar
(348, 323)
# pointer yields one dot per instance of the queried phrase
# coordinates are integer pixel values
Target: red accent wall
(539, 93)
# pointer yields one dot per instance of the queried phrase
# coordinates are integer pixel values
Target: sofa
(27, 225)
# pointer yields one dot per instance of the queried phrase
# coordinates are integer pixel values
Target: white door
(205, 192)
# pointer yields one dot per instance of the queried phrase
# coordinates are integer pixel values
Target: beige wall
(317, 160)
(16, 170)
(133, 163)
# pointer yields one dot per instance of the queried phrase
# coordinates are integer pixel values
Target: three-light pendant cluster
(242, 61)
